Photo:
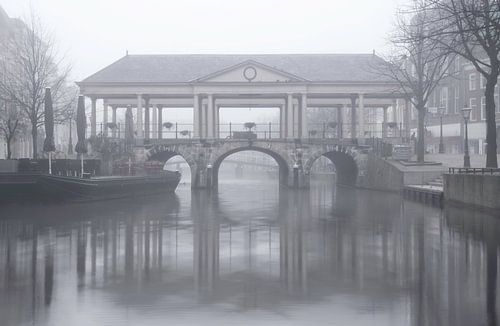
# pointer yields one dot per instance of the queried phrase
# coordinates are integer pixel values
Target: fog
(93, 34)
(165, 199)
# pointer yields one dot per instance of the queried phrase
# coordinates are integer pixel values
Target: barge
(46, 186)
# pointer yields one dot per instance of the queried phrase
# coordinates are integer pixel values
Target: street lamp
(466, 115)
(441, 144)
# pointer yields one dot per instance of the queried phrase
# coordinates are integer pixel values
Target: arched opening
(340, 166)
(177, 123)
(233, 122)
(172, 161)
(250, 163)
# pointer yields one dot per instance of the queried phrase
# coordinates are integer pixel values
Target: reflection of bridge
(294, 158)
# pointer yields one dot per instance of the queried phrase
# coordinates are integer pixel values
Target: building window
(472, 81)
(482, 81)
(444, 99)
(473, 106)
(457, 99)
(483, 108)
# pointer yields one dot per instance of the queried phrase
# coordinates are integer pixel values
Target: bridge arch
(164, 154)
(283, 165)
(345, 164)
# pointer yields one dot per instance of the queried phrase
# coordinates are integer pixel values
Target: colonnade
(351, 114)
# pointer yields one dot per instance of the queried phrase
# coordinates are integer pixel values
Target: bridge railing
(335, 129)
(168, 131)
(269, 130)
(241, 131)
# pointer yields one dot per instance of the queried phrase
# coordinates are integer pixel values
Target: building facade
(464, 87)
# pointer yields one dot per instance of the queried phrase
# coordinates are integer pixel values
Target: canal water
(249, 254)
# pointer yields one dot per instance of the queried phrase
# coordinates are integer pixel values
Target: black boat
(100, 188)
(19, 187)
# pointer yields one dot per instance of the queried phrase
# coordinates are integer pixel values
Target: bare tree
(471, 29)
(32, 66)
(416, 63)
(11, 123)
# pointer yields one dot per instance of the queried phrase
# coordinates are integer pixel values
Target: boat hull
(107, 187)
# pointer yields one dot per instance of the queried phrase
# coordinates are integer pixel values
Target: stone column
(283, 121)
(210, 116)
(147, 126)
(353, 118)
(394, 110)
(203, 120)
(105, 117)
(303, 117)
(296, 122)
(196, 116)
(289, 116)
(345, 118)
(339, 122)
(384, 123)
(154, 122)
(114, 108)
(93, 117)
(160, 122)
(216, 121)
(139, 117)
(361, 116)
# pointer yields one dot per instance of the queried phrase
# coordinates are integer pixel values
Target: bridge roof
(185, 68)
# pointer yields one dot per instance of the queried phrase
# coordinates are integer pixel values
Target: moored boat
(100, 188)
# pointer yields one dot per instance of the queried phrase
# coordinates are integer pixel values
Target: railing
(261, 130)
(176, 130)
(473, 170)
(343, 130)
(238, 130)
(63, 167)
(379, 147)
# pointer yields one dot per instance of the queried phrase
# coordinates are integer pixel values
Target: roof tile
(182, 68)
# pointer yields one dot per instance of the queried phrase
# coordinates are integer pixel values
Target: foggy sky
(94, 33)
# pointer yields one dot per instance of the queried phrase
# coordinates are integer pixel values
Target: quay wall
(381, 175)
(477, 190)
(391, 176)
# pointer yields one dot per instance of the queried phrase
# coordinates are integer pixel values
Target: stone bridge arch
(279, 155)
(348, 161)
(163, 153)
(294, 159)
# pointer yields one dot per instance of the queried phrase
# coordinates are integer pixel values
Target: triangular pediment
(250, 71)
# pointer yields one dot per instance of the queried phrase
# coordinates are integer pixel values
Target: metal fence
(473, 170)
(175, 130)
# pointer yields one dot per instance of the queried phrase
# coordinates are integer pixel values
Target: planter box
(244, 135)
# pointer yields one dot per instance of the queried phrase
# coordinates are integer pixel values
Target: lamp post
(466, 115)
(441, 144)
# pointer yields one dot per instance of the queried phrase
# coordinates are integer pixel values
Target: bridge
(361, 103)
(294, 158)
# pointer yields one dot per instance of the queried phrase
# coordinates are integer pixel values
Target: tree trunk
(491, 127)
(420, 134)
(34, 138)
(8, 140)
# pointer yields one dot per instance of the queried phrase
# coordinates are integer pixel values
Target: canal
(249, 254)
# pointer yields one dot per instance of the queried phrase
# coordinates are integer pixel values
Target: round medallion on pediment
(249, 73)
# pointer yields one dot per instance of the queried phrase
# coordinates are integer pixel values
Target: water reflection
(268, 256)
